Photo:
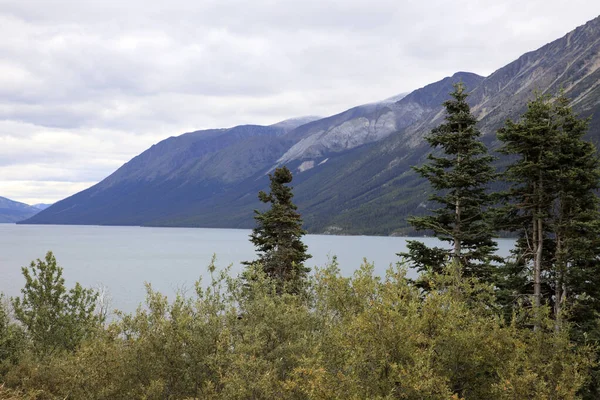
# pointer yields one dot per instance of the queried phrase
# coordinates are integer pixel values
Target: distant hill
(13, 211)
(351, 170)
(41, 206)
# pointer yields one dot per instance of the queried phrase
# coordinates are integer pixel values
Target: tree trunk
(558, 282)
(457, 222)
(457, 244)
(561, 256)
(538, 247)
(537, 272)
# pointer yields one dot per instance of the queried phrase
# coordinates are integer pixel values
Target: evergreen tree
(576, 220)
(529, 199)
(278, 234)
(552, 205)
(459, 176)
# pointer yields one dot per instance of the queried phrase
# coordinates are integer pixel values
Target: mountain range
(13, 211)
(352, 170)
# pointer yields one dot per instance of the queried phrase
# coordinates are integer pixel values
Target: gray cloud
(86, 85)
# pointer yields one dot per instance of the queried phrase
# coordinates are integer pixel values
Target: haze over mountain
(41, 206)
(13, 211)
(352, 170)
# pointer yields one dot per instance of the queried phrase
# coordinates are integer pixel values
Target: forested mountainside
(351, 170)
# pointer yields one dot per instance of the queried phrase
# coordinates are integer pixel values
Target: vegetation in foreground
(358, 337)
(472, 326)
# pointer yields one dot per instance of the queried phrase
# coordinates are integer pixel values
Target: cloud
(35, 192)
(86, 85)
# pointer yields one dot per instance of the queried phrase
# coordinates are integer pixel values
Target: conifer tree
(459, 176)
(552, 205)
(529, 199)
(576, 220)
(278, 234)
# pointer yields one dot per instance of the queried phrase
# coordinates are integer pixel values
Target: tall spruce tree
(534, 140)
(278, 234)
(460, 176)
(576, 219)
(552, 205)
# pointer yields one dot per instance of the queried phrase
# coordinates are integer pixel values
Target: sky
(87, 85)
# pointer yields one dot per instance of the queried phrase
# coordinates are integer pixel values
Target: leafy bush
(355, 337)
(12, 339)
(55, 319)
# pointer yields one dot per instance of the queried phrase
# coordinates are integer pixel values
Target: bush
(346, 337)
(12, 339)
(54, 319)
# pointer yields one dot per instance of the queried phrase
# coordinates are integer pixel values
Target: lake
(123, 258)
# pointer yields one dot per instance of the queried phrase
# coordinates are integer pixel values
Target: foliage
(553, 207)
(278, 234)
(356, 337)
(460, 177)
(55, 319)
(276, 332)
(12, 339)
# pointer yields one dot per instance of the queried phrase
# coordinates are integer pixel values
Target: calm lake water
(123, 258)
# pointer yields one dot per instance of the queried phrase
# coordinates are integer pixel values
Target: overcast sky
(86, 85)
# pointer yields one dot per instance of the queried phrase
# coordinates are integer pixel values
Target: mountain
(293, 123)
(351, 170)
(41, 206)
(395, 98)
(185, 180)
(173, 175)
(375, 190)
(13, 211)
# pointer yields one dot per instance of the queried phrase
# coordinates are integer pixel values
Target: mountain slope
(376, 190)
(352, 170)
(14, 211)
(181, 178)
(367, 123)
(571, 63)
(170, 175)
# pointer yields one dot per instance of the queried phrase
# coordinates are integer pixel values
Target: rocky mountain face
(13, 211)
(571, 63)
(352, 170)
(353, 128)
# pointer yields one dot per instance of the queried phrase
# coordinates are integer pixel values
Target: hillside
(13, 211)
(352, 170)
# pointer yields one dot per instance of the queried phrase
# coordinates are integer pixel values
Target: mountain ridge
(352, 170)
(12, 211)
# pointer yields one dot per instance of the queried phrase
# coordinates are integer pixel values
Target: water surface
(171, 259)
